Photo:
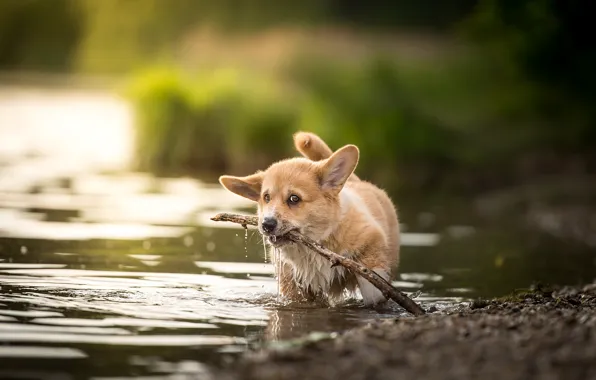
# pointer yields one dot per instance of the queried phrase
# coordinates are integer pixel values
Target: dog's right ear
(247, 187)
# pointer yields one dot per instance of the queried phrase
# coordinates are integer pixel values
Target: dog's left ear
(247, 187)
(336, 170)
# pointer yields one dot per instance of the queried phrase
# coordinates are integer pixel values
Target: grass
(419, 122)
(208, 122)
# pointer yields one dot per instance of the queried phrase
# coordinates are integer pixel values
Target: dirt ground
(544, 334)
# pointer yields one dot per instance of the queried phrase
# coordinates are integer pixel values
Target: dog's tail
(313, 147)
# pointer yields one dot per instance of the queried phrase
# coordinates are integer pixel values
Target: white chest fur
(310, 270)
(313, 272)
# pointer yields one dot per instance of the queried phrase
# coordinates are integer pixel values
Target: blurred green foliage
(116, 35)
(121, 35)
(546, 43)
(209, 122)
(39, 34)
(231, 121)
(520, 93)
(370, 105)
(417, 124)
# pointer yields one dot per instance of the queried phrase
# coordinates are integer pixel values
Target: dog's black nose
(269, 224)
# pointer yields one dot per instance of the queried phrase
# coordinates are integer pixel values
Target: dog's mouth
(278, 240)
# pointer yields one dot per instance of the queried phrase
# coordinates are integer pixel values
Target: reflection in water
(293, 322)
(124, 274)
(40, 353)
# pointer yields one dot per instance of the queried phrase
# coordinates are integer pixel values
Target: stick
(383, 285)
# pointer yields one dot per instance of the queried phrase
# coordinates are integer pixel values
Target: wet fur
(347, 215)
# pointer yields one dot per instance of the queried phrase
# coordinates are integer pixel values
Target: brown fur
(349, 216)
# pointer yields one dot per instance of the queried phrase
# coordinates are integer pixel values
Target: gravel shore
(543, 334)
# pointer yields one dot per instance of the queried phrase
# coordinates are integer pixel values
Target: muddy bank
(545, 334)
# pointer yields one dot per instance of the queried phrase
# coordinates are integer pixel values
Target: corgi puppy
(319, 196)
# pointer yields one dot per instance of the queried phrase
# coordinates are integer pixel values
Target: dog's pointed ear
(247, 187)
(336, 170)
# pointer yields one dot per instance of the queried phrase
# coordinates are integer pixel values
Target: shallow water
(107, 273)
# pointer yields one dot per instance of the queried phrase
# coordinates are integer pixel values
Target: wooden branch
(379, 282)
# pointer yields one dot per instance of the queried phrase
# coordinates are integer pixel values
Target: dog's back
(375, 200)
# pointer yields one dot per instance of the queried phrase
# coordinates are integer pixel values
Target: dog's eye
(266, 198)
(293, 199)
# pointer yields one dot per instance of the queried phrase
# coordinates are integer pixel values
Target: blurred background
(461, 96)
(117, 117)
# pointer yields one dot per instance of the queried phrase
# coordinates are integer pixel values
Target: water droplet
(248, 275)
(211, 246)
(264, 250)
(146, 244)
(188, 241)
(23, 250)
(246, 242)
(278, 267)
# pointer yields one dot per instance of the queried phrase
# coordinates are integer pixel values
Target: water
(108, 273)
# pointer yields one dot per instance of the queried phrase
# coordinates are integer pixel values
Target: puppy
(320, 196)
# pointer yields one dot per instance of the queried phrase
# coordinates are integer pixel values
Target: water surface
(109, 273)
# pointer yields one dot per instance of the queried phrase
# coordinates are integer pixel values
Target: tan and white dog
(322, 198)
